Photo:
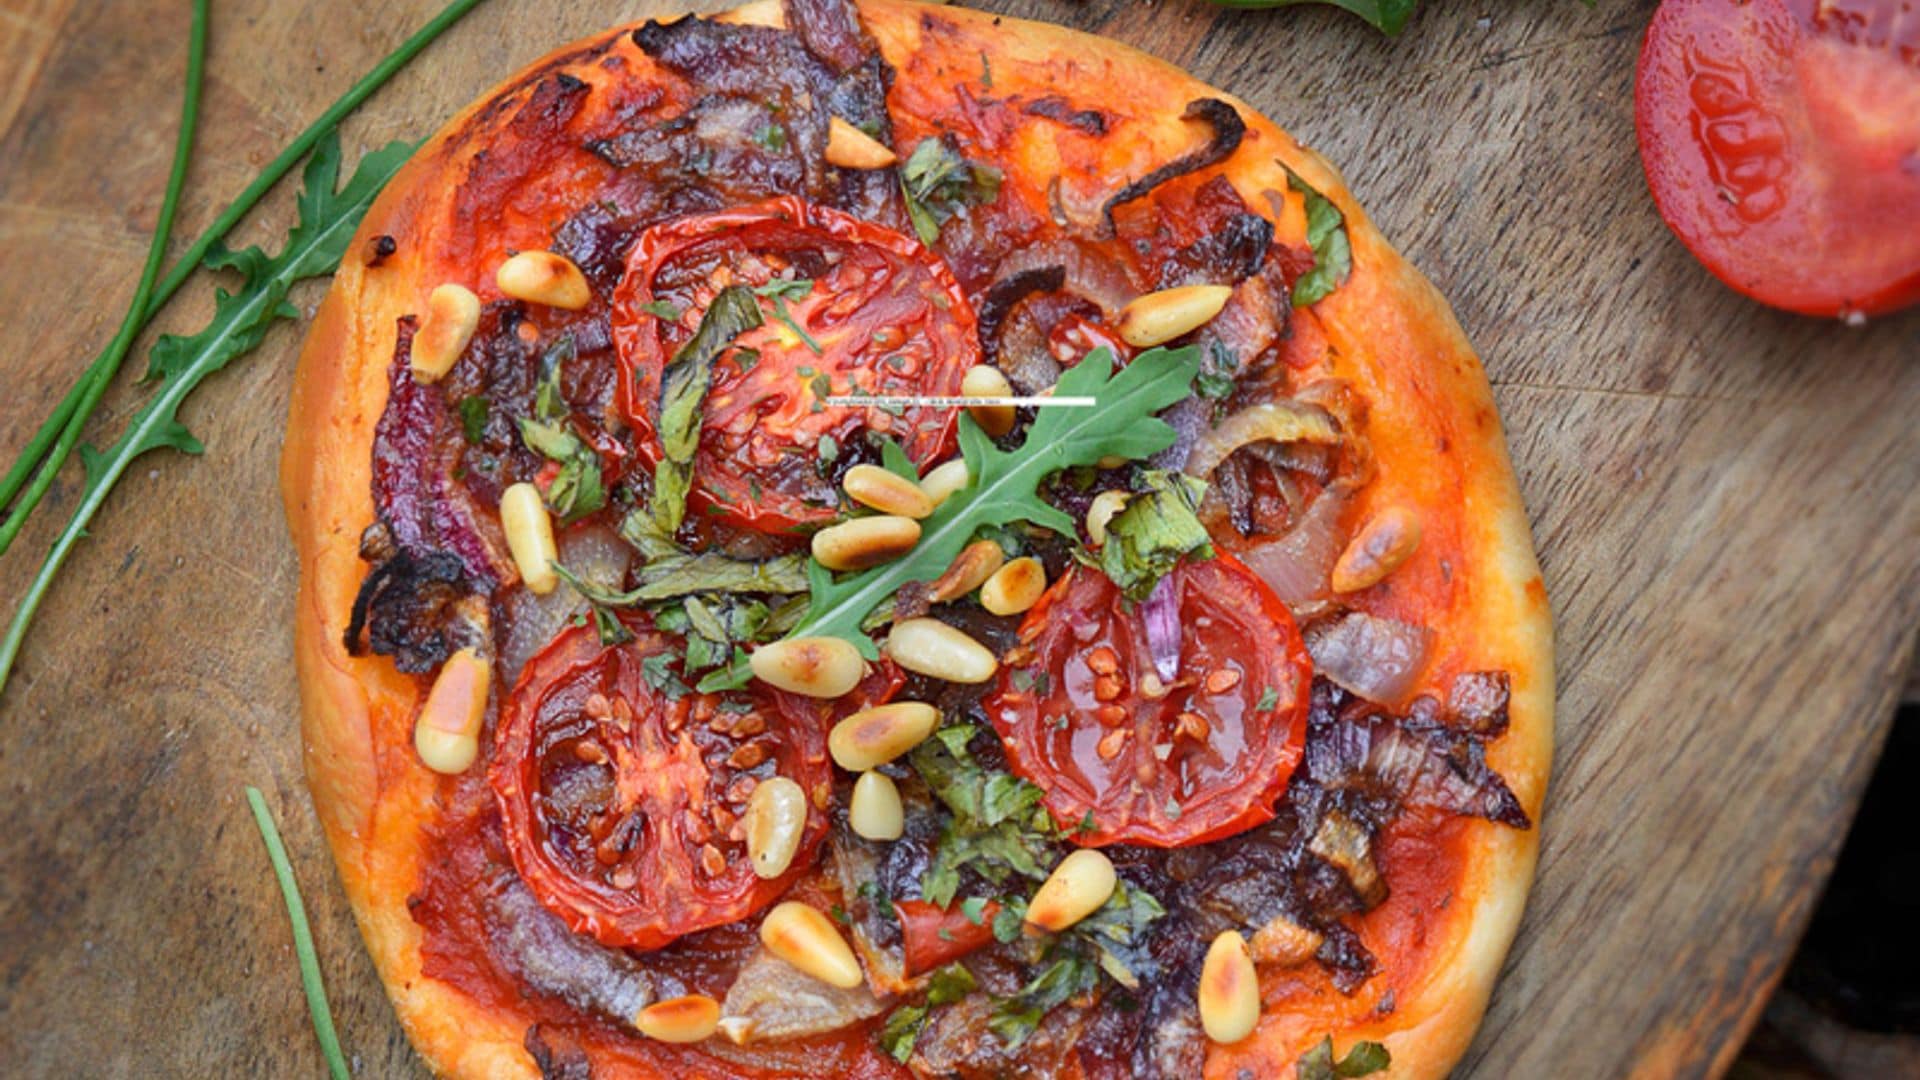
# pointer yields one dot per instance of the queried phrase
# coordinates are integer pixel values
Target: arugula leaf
(315, 245)
(1158, 528)
(895, 460)
(683, 387)
(1327, 236)
(1387, 16)
(937, 181)
(1005, 485)
(1364, 1059)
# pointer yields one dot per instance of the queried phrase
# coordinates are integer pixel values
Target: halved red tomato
(1781, 139)
(621, 790)
(932, 936)
(881, 316)
(1085, 713)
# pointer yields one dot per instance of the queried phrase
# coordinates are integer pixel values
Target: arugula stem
(61, 429)
(303, 949)
(93, 383)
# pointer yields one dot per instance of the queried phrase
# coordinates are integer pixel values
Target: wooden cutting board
(1724, 500)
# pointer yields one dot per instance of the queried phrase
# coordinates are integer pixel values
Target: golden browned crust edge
(1389, 322)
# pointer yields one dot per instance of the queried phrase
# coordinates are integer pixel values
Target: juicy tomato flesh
(1781, 139)
(1085, 713)
(933, 936)
(883, 317)
(622, 801)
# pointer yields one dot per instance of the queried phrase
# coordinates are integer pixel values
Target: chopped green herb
(661, 309)
(1327, 236)
(683, 388)
(780, 290)
(937, 182)
(657, 671)
(473, 418)
(772, 137)
(829, 448)
(949, 984)
(901, 1029)
(744, 359)
(1269, 699)
(1159, 527)
(1363, 1059)
(975, 909)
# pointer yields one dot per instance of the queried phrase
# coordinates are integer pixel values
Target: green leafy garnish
(661, 309)
(1327, 236)
(1269, 698)
(1158, 528)
(780, 290)
(997, 828)
(315, 244)
(1364, 1059)
(1387, 16)
(577, 489)
(950, 984)
(1112, 940)
(683, 387)
(901, 1030)
(303, 951)
(1005, 485)
(937, 181)
(473, 411)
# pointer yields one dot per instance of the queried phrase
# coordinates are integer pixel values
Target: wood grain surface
(1724, 499)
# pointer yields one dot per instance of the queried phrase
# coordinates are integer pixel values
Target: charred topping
(1228, 130)
(1055, 108)
(1008, 291)
(378, 249)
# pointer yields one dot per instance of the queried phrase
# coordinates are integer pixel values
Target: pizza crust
(1433, 424)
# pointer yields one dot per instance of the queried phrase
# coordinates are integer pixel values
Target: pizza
(880, 540)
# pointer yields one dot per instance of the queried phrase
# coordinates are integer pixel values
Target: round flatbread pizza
(880, 540)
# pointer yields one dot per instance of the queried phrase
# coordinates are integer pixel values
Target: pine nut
(976, 563)
(982, 380)
(872, 737)
(865, 542)
(1102, 510)
(1015, 587)
(875, 811)
(821, 667)
(1379, 548)
(807, 939)
(679, 1020)
(452, 314)
(543, 277)
(931, 647)
(944, 479)
(1077, 887)
(873, 486)
(447, 734)
(850, 148)
(523, 517)
(1229, 990)
(1159, 317)
(776, 816)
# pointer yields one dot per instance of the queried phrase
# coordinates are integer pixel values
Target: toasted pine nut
(807, 939)
(875, 811)
(523, 517)
(976, 563)
(865, 542)
(1229, 990)
(679, 1020)
(931, 647)
(850, 148)
(776, 816)
(1015, 587)
(1102, 510)
(982, 380)
(872, 737)
(821, 667)
(1159, 317)
(447, 733)
(452, 313)
(944, 479)
(871, 485)
(1379, 548)
(544, 277)
(1077, 887)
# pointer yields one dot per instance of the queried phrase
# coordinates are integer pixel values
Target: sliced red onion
(1161, 614)
(1297, 565)
(595, 553)
(1280, 421)
(1375, 658)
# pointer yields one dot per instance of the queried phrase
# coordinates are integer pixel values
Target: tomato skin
(610, 806)
(1096, 747)
(888, 315)
(1781, 140)
(934, 936)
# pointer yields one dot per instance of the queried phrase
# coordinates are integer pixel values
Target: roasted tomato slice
(1085, 714)
(621, 791)
(883, 316)
(1781, 139)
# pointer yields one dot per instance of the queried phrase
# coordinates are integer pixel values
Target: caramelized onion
(598, 556)
(1375, 658)
(1298, 564)
(1280, 421)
